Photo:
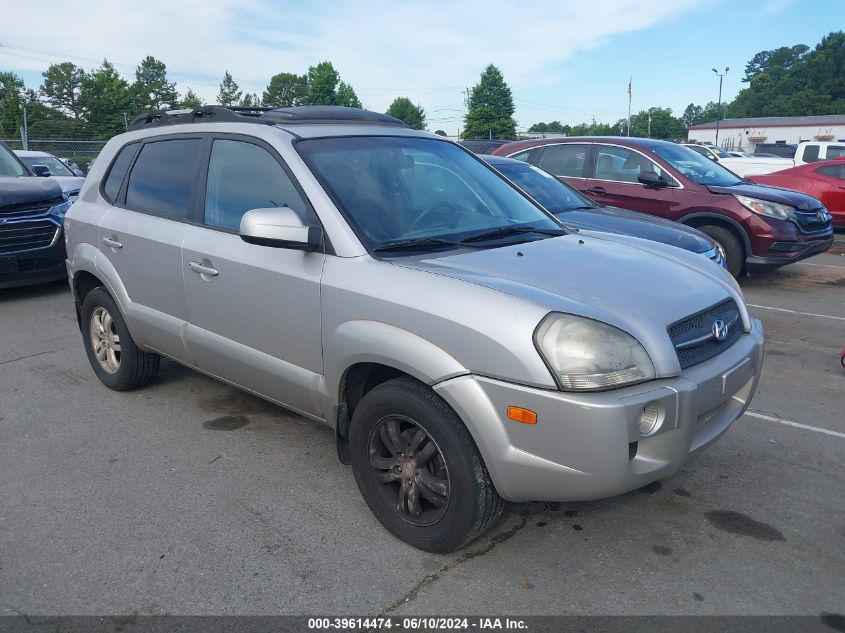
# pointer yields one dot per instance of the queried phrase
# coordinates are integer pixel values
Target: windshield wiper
(581, 208)
(416, 244)
(505, 231)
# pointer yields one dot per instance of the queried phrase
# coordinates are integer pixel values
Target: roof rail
(265, 116)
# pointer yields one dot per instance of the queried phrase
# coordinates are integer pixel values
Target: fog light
(649, 419)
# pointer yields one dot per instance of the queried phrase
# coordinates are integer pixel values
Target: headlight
(764, 207)
(59, 210)
(588, 355)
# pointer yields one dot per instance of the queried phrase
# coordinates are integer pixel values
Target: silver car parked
(465, 346)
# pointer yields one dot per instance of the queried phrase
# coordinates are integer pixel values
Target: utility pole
(125, 123)
(648, 134)
(719, 107)
(24, 131)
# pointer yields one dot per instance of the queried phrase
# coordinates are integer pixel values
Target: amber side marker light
(525, 416)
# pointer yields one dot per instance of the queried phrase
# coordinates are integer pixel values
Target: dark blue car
(579, 211)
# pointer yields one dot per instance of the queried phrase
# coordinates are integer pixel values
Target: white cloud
(428, 51)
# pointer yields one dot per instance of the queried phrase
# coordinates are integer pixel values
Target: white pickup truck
(807, 152)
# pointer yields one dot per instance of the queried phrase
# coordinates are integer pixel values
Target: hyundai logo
(720, 330)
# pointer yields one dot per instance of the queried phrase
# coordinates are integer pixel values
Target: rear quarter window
(114, 180)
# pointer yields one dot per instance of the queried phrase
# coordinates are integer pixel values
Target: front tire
(734, 250)
(118, 362)
(418, 468)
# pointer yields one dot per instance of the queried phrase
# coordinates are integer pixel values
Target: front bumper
(34, 266)
(586, 446)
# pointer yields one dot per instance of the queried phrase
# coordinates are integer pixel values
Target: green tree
(322, 84)
(230, 93)
(62, 86)
(490, 112)
(286, 90)
(105, 99)
(346, 96)
(412, 115)
(151, 90)
(663, 124)
(692, 115)
(251, 100)
(191, 100)
(11, 115)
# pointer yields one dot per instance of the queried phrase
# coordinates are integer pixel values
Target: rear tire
(418, 468)
(734, 250)
(118, 362)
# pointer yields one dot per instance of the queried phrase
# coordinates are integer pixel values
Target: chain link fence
(82, 152)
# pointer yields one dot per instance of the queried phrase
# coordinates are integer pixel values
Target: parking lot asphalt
(190, 497)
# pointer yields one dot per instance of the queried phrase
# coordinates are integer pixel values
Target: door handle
(111, 243)
(203, 270)
(598, 190)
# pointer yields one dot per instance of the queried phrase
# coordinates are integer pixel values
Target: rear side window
(834, 171)
(811, 153)
(244, 176)
(835, 151)
(163, 176)
(114, 180)
(565, 160)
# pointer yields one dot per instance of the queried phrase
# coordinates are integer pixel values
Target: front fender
(366, 341)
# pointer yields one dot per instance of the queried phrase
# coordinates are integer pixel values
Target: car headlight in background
(588, 355)
(764, 207)
(59, 210)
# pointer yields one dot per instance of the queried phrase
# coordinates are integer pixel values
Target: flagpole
(629, 105)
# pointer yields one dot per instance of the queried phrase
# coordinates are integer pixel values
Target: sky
(567, 60)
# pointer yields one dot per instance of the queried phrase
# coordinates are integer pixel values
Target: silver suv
(465, 346)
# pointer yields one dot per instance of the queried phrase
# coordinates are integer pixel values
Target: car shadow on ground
(52, 289)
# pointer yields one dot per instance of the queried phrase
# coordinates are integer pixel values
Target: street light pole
(719, 107)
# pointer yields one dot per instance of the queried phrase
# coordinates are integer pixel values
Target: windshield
(9, 166)
(411, 188)
(696, 167)
(56, 167)
(543, 187)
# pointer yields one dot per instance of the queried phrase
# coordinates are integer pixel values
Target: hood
(773, 194)
(28, 189)
(638, 290)
(647, 227)
(69, 184)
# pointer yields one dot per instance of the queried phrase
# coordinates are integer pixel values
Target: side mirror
(41, 170)
(76, 171)
(713, 157)
(651, 179)
(280, 227)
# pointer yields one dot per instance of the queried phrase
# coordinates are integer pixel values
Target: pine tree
(230, 93)
(151, 90)
(490, 113)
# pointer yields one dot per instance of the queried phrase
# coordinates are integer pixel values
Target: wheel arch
(364, 354)
(703, 218)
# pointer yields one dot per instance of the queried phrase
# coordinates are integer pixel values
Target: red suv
(759, 227)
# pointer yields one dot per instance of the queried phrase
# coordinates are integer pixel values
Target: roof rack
(265, 116)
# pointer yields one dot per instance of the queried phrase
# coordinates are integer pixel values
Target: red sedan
(824, 180)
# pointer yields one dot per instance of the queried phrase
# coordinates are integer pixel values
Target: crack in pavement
(14, 360)
(501, 537)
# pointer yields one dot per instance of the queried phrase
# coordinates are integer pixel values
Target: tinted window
(834, 171)
(565, 160)
(243, 176)
(811, 153)
(161, 180)
(118, 170)
(623, 165)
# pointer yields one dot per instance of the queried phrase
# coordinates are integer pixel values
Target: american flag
(629, 89)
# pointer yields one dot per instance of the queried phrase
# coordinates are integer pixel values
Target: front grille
(693, 336)
(24, 213)
(28, 209)
(812, 221)
(25, 236)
